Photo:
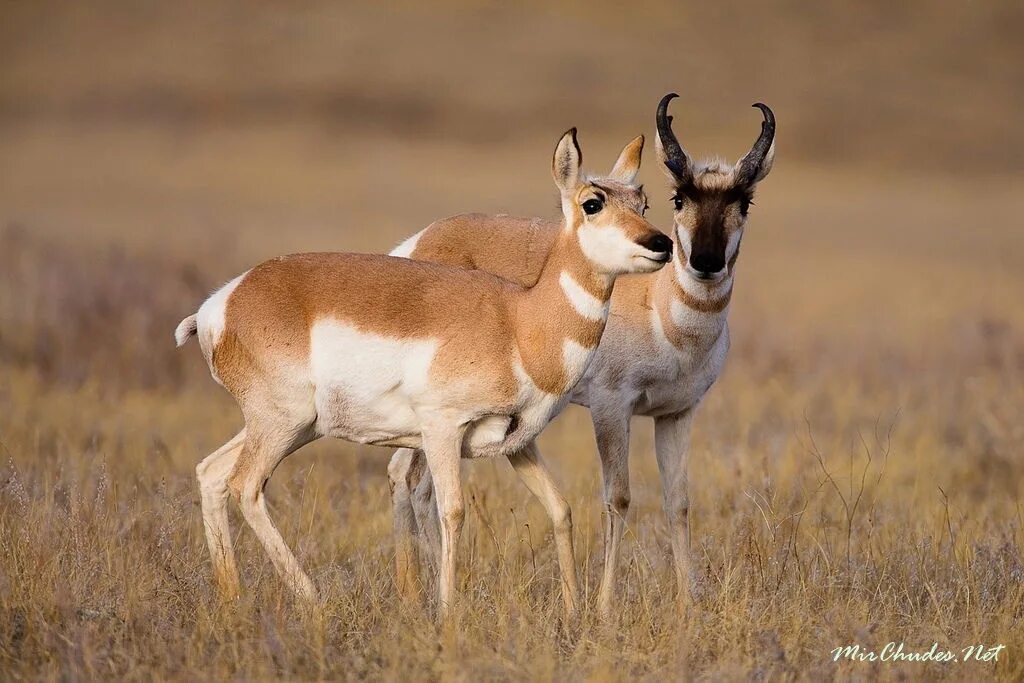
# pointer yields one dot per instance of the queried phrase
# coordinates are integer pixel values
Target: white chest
(655, 377)
(535, 408)
(686, 379)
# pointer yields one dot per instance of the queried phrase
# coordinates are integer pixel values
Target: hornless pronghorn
(393, 352)
(664, 347)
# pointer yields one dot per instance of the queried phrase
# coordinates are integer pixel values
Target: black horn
(749, 166)
(675, 158)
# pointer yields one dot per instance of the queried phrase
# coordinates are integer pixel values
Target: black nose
(658, 243)
(707, 263)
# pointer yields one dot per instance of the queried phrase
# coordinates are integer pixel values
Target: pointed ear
(566, 163)
(628, 164)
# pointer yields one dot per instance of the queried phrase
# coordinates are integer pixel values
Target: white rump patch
(367, 386)
(406, 248)
(585, 303)
(210, 316)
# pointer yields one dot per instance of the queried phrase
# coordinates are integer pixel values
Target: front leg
(611, 428)
(531, 469)
(672, 443)
(442, 446)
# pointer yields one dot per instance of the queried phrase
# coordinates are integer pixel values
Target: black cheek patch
(742, 196)
(744, 206)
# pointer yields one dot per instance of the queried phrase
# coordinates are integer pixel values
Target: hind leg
(403, 472)
(428, 524)
(266, 445)
(213, 473)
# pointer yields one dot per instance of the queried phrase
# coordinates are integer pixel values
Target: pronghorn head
(712, 198)
(607, 214)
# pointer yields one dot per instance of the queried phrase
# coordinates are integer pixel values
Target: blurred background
(150, 151)
(211, 135)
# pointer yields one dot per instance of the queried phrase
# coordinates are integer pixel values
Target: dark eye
(678, 202)
(592, 206)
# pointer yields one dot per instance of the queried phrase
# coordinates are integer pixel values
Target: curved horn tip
(766, 111)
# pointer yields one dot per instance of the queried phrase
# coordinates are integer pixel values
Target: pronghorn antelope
(665, 344)
(393, 352)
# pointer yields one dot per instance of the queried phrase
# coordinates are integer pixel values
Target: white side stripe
(575, 358)
(585, 303)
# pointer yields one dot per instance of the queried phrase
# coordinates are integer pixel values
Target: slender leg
(213, 473)
(265, 447)
(442, 445)
(612, 431)
(672, 442)
(425, 509)
(404, 523)
(531, 469)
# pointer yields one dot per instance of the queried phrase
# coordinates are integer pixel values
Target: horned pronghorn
(393, 352)
(665, 344)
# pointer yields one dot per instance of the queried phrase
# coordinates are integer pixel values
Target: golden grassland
(856, 473)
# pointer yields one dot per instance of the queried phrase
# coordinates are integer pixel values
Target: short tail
(186, 330)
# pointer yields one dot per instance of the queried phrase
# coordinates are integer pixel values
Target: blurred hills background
(201, 137)
(186, 103)
(908, 85)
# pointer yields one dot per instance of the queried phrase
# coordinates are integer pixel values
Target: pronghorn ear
(628, 165)
(565, 165)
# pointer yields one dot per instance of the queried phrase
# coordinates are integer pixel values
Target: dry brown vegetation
(857, 473)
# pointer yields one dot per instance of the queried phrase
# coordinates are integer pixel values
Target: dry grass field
(857, 473)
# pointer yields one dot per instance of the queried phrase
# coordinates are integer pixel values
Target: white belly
(367, 387)
(374, 389)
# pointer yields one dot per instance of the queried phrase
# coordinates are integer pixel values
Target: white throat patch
(583, 302)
